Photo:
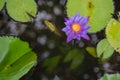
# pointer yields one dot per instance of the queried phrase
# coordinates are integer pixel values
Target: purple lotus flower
(76, 28)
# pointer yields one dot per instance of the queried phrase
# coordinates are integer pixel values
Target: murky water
(46, 44)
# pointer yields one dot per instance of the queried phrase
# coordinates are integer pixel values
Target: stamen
(76, 27)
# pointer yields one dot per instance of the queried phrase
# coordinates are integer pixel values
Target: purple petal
(67, 23)
(70, 37)
(78, 38)
(86, 27)
(71, 22)
(88, 17)
(85, 21)
(65, 29)
(68, 32)
(65, 19)
(86, 37)
(79, 35)
(77, 19)
(81, 20)
(77, 15)
(83, 33)
(72, 18)
(68, 27)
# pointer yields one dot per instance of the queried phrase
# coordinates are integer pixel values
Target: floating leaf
(2, 2)
(113, 34)
(76, 56)
(92, 51)
(99, 11)
(21, 10)
(104, 49)
(111, 77)
(51, 63)
(16, 58)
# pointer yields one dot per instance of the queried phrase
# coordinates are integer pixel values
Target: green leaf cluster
(16, 58)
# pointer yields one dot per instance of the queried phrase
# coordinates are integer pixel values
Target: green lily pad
(111, 77)
(16, 58)
(2, 2)
(104, 49)
(21, 10)
(99, 11)
(113, 34)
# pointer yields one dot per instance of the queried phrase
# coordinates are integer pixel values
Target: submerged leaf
(51, 63)
(99, 11)
(76, 56)
(78, 59)
(113, 34)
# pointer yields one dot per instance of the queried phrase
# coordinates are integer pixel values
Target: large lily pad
(2, 2)
(113, 34)
(21, 10)
(16, 58)
(99, 11)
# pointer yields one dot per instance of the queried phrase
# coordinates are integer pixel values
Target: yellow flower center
(76, 27)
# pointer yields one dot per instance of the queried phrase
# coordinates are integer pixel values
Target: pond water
(47, 44)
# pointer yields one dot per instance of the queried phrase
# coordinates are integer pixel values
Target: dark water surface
(46, 44)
